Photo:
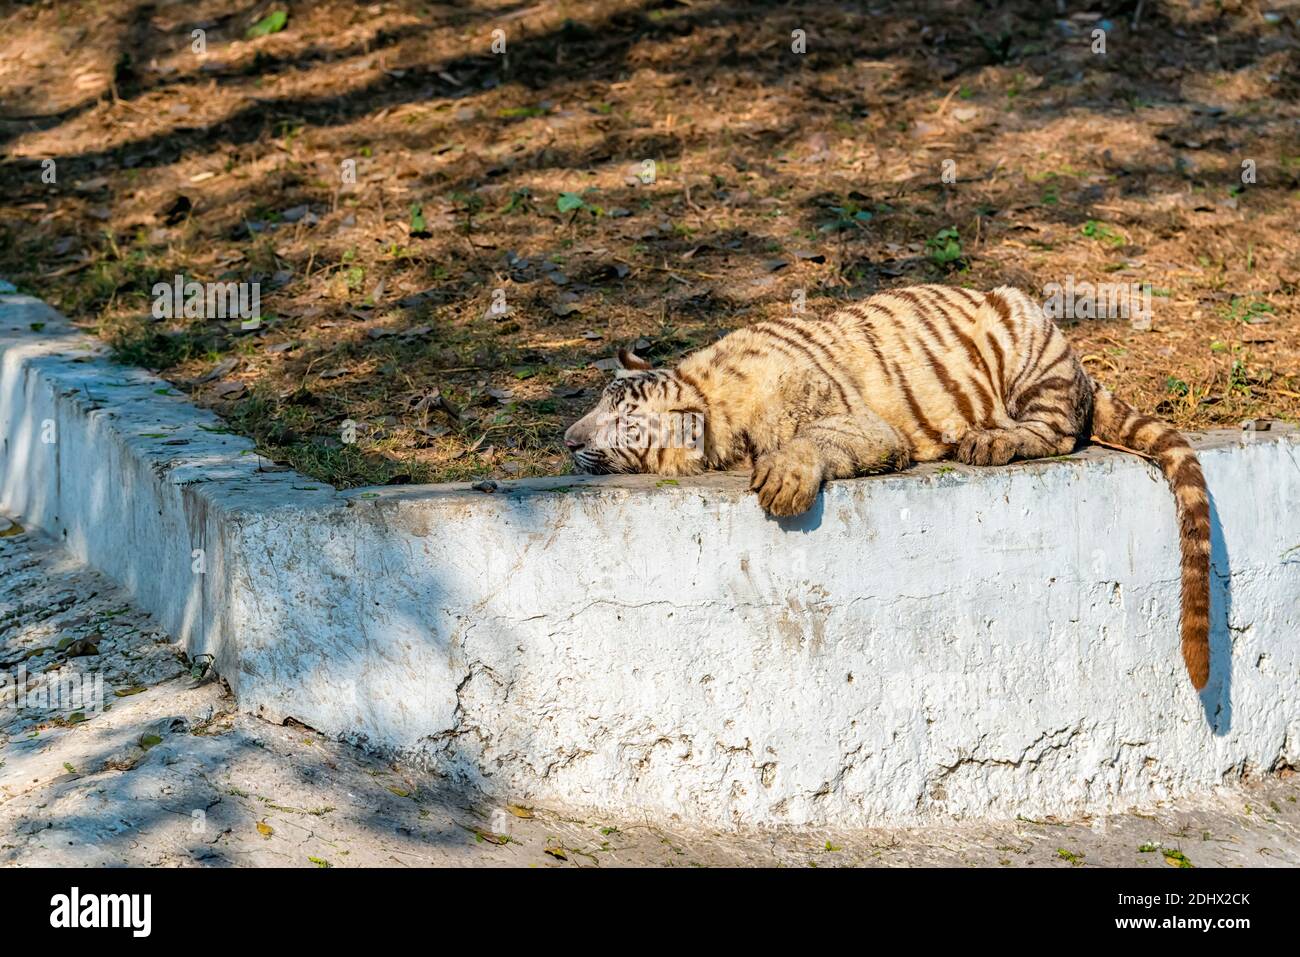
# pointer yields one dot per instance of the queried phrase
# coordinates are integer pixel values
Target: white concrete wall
(918, 647)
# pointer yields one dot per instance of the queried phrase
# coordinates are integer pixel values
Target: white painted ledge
(945, 642)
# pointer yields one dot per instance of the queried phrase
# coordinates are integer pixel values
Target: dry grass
(775, 172)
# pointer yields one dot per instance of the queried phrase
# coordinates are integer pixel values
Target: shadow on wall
(1216, 698)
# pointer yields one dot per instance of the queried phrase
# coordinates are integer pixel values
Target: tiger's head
(647, 420)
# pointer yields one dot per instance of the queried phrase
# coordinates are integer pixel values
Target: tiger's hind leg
(1051, 405)
(1034, 440)
(788, 479)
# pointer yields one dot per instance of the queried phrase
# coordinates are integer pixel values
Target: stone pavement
(168, 773)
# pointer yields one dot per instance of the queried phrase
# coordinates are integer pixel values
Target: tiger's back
(935, 362)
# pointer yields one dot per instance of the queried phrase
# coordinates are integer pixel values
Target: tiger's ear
(631, 361)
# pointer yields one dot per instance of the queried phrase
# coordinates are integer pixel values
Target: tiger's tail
(1115, 421)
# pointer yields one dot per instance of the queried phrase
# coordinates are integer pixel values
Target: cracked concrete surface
(169, 773)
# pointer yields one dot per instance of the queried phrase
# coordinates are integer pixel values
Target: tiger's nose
(573, 439)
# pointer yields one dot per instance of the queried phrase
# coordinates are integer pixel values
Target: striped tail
(1115, 422)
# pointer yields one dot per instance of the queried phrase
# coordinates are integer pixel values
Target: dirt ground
(171, 774)
(449, 240)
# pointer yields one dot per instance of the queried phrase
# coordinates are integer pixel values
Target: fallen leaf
(265, 829)
(612, 271)
(82, 648)
(809, 256)
(474, 448)
(449, 407)
(222, 368)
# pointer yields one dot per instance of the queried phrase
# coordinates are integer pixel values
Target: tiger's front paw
(787, 482)
(992, 447)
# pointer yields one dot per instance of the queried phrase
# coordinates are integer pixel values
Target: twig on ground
(670, 269)
(944, 105)
(686, 194)
(1122, 448)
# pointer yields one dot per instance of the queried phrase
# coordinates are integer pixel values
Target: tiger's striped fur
(911, 375)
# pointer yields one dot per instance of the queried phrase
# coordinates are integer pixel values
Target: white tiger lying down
(912, 375)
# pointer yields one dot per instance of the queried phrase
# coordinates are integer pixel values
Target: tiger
(916, 374)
